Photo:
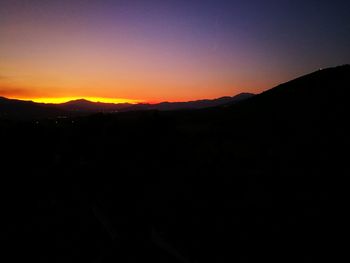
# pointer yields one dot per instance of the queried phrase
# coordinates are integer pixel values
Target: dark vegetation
(250, 182)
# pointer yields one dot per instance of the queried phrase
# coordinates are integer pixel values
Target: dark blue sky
(171, 50)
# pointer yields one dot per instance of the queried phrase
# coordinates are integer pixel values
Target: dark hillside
(11, 109)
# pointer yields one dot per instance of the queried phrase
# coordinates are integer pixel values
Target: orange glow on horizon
(92, 99)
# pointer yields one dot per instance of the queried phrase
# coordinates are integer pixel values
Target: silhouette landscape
(29, 110)
(182, 186)
(174, 131)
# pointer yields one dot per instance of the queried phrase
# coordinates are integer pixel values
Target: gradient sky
(165, 50)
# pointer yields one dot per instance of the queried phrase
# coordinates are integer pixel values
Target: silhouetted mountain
(197, 104)
(26, 110)
(83, 105)
(323, 91)
(88, 106)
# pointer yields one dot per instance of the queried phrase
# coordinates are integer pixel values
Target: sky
(152, 51)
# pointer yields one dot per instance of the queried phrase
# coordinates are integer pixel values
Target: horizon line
(61, 100)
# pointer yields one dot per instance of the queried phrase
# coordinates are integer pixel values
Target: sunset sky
(154, 51)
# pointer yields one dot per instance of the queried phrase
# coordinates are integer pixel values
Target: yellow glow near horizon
(92, 99)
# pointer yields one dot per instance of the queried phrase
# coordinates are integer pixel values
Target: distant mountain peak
(78, 101)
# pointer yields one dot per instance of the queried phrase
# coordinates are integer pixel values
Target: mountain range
(19, 109)
(323, 90)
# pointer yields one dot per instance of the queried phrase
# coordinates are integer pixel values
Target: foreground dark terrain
(255, 181)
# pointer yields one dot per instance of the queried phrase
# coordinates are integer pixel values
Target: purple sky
(165, 50)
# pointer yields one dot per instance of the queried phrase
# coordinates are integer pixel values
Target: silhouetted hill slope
(296, 124)
(322, 92)
(26, 110)
(198, 104)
